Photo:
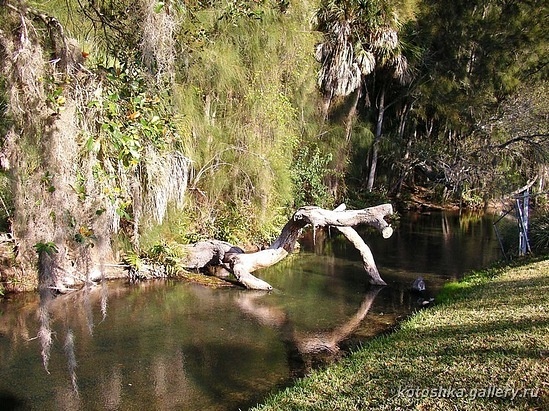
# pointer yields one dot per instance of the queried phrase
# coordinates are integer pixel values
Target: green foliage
(47, 182)
(245, 97)
(137, 165)
(474, 113)
(46, 248)
(362, 198)
(85, 235)
(471, 199)
(134, 260)
(160, 260)
(133, 115)
(167, 255)
(310, 168)
(539, 233)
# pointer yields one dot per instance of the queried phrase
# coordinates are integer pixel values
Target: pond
(172, 345)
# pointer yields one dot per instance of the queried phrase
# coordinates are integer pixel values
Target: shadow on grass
(9, 402)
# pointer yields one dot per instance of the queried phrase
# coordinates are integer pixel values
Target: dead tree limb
(226, 259)
(365, 252)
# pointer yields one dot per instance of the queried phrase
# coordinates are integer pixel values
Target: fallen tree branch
(224, 259)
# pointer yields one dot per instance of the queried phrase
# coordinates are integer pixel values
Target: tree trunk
(375, 147)
(225, 259)
(349, 122)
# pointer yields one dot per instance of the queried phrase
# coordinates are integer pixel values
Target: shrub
(310, 168)
(539, 233)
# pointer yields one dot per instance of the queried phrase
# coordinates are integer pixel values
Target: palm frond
(384, 38)
(340, 74)
(401, 68)
(366, 61)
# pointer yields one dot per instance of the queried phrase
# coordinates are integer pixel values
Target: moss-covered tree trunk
(42, 153)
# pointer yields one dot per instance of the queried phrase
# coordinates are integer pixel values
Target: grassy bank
(485, 346)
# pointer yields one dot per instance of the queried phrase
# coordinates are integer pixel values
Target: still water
(168, 345)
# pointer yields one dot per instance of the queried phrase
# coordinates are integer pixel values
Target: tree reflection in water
(306, 350)
(173, 377)
(53, 307)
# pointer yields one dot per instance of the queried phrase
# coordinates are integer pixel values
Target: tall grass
(188, 133)
(245, 106)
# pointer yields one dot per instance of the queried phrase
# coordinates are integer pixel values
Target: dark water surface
(169, 345)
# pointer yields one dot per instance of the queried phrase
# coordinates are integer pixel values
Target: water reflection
(175, 346)
(306, 350)
(444, 244)
(171, 345)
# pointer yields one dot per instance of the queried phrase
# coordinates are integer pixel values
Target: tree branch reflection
(306, 350)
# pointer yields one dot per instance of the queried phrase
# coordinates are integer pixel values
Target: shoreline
(482, 346)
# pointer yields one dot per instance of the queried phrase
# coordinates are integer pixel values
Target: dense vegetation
(129, 127)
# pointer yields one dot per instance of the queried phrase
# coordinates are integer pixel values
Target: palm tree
(361, 39)
(343, 58)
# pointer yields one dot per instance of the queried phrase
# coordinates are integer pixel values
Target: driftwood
(224, 259)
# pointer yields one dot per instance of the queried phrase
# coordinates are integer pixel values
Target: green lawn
(485, 346)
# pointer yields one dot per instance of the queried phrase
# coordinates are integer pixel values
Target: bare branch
(233, 260)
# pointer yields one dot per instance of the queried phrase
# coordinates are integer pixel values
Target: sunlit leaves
(47, 247)
(308, 172)
(359, 37)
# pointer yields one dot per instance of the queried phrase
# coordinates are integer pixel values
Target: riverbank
(483, 346)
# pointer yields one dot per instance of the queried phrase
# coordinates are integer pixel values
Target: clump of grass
(539, 233)
(485, 350)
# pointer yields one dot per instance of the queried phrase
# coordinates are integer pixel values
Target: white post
(522, 216)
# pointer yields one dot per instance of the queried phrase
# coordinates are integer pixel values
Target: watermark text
(472, 393)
